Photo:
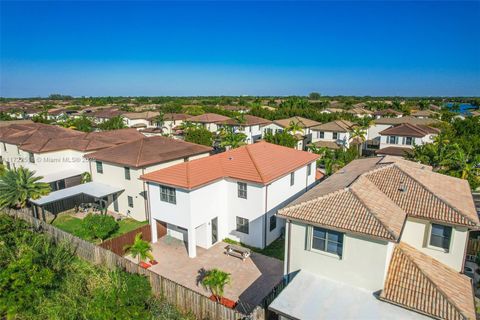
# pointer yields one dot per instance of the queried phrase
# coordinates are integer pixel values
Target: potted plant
(140, 249)
(215, 280)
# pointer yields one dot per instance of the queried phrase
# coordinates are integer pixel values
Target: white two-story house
(303, 132)
(400, 139)
(234, 194)
(122, 166)
(251, 126)
(208, 120)
(379, 230)
(333, 135)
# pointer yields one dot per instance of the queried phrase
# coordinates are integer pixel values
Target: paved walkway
(252, 279)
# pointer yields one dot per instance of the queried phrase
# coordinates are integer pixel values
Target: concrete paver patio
(252, 279)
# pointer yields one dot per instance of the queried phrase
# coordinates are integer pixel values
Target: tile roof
(140, 115)
(424, 113)
(359, 111)
(407, 119)
(148, 151)
(40, 138)
(394, 151)
(261, 163)
(410, 130)
(401, 187)
(208, 118)
(107, 113)
(388, 111)
(302, 122)
(249, 121)
(174, 116)
(335, 126)
(326, 144)
(421, 283)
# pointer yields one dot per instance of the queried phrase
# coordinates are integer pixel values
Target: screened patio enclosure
(88, 193)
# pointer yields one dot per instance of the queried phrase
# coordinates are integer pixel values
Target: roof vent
(403, 187)
(230, 158)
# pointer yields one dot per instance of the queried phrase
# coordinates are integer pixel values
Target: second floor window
(392, 139)
(320, 134)
(4, 147)
(242, 190)
(168, 194)
(99, 167)
(130, 201)
(440, 236)
(309, 169)
(335, 135)
(273, 222)
(292, 178)
(31, 157)
(127, 173)
(328, 241)
(408, 141)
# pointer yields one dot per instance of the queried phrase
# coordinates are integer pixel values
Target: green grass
(276, 249)
(73, 225)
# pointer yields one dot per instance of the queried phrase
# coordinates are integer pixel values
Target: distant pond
(465, 108)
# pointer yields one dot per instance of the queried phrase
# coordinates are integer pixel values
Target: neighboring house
(121, 166)
(360, 112)
(387, 113)
(208, 120)
(233, 194)
(422, 114)
(373, 134)
(171, 122)
(251, 126)
(332, 110)
(103, 115)
(333, 135)
(140, 120)
(400, 139)
(239, 109)
(303, 136)
(56, 153)
(379, 230)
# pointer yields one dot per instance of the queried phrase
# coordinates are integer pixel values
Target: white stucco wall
(363, 262)
(373, 131)
(328, 136)
(417, 233)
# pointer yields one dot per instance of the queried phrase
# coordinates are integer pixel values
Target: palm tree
(294, 127)
(19, 185)
(86, 177)
(140, 248)
(216, 280)
(359, 134)
(231, 139)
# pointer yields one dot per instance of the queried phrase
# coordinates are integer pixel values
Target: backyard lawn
(275, 250)
(73, 225)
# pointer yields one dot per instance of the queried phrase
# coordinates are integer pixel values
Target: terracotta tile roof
(360, 111)
(406, 119)
(261, 163)
(400, 187)
(335, 110)
(388, 111)
(335, 126)
(394, 151)
(418, 282)
(148, 151)
(107, 113)
(10, 122)
(409, 130)
(235, 108)
(249, 121)
(140, 115)
(302, 122)
(208, 118)
(424, 113)
(174, 117)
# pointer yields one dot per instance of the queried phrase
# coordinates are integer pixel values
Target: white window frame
(429, 245)
(241, 223)
(292, 179)
(166, 194)
(242, 192)
(325, 252)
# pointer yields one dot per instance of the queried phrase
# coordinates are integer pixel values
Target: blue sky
(235, 48)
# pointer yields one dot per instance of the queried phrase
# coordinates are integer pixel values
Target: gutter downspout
(465, 252)
(145, 198)
(288, 245)
(265, 218)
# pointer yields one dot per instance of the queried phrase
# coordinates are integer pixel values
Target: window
(99, 166)
(31, 157)
(292, 178)
(408, 141)
(273, 222)
(309, 169)
(4, 147)
(440, 236)
(328, 241)
(392, 139)
(320, 134)
(130, 201)
(127, 173)
(335, 135)
(168, 194)
(242, 225)
(242, 190)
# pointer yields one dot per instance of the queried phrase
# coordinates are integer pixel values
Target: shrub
(98, 226)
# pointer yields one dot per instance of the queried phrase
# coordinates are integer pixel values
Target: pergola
(64, 199)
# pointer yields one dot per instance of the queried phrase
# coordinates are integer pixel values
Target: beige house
(122, 166)
(333, 135)
(379, 230)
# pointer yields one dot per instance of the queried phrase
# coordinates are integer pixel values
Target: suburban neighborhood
(239, 160)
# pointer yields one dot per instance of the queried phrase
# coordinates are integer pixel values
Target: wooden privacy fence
(473, 247)
(117, 244)
(182, 297)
